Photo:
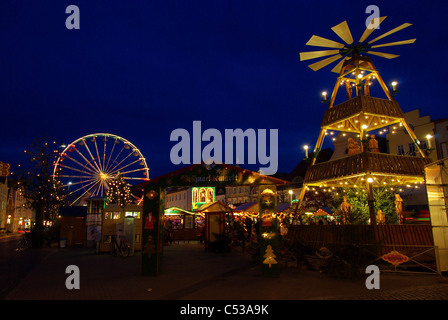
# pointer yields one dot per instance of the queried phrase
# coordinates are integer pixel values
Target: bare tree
(36, 183)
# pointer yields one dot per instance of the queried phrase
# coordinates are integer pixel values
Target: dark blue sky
(140, 69)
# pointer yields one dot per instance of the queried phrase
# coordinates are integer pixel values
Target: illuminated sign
(202, 195)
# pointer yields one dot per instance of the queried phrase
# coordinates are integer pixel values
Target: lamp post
(306, 151)
(290, 195)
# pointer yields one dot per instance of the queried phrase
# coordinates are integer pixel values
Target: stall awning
(177, 211)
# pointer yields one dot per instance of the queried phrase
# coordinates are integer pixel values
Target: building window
(412, 149)
(423, 145)
(112, 215)
(444, 147)
(135, 214)
(400, 149)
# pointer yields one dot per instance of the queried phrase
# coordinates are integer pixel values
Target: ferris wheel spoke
(91, 156)
(97, 153)
(82, 195)
(129, 164)
(110, 155)
(105, 187)
(131, 171)
(118, 164)
(119, 153)
(74, 176)
(85, 159)
(100, 189)
(78, 182)
(74, 169)
(104, 152)
(84, 186)
(79, 163)
(96, 192)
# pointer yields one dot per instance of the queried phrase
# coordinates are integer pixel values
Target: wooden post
(152, 230)
(413, 137)
(318, 145)
(269, 230)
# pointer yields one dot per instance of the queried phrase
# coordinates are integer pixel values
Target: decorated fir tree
(357, 198)
(119, 191)
(269, 256)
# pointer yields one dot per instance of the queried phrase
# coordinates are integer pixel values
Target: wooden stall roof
(216, 206)
(386, 168)
(361, 105)
(219, 174)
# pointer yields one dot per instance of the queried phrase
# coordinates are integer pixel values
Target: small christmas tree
(119, 191)
(269, 256)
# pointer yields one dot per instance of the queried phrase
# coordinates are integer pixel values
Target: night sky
(140, 69)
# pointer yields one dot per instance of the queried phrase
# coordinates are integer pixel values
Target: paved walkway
(190, 273)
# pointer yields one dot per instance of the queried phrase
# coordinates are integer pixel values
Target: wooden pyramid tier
(354, 170)
(373, 112)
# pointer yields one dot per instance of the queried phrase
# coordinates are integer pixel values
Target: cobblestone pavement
(190, 273)
(433, 292)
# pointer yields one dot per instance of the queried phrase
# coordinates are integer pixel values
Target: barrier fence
(390, 247)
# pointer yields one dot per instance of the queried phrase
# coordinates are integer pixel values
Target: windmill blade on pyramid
(404, 25)
(349, 49)
(343, 31)
(338, 67)
(396, 43)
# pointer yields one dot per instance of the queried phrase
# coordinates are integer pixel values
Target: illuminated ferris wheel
(87, 165)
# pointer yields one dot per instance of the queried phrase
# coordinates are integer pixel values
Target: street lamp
(394, 85)
(290, 195)
(306, 150)
(394, 88)
(428, 137)
(324, 94)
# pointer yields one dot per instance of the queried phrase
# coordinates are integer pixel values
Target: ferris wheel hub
(104, 176)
